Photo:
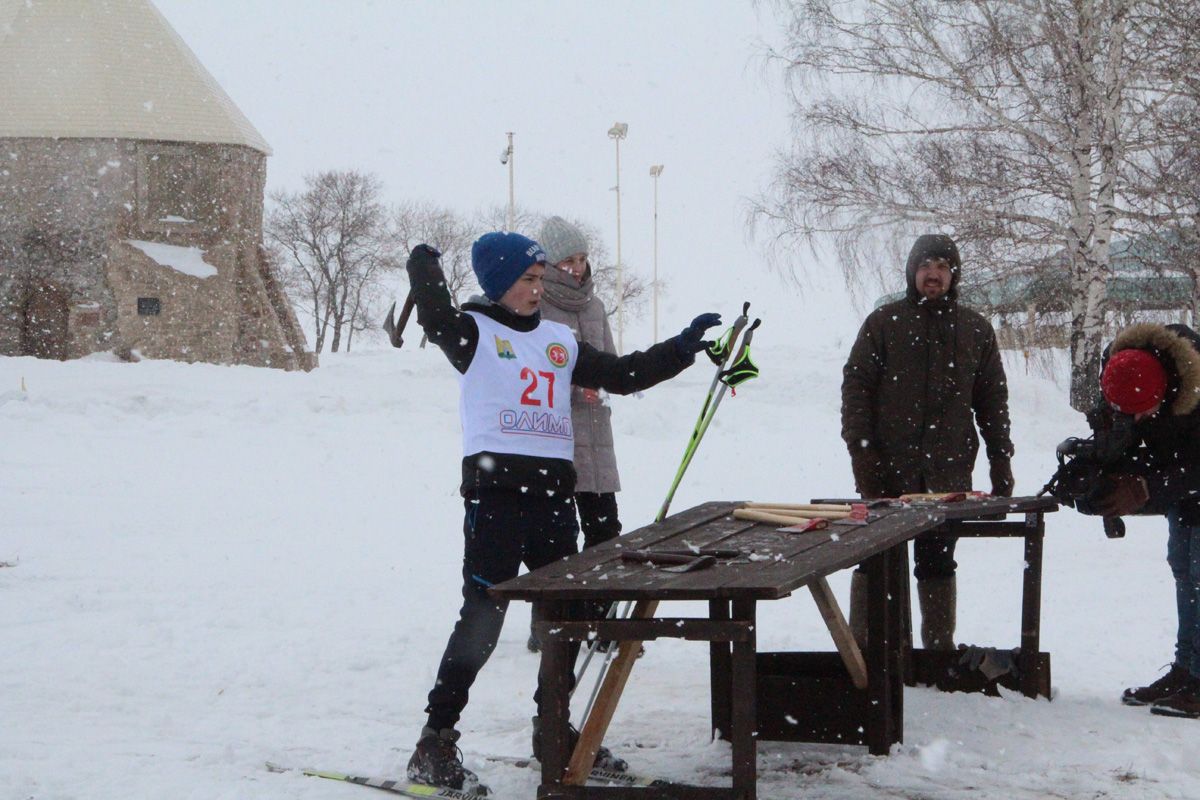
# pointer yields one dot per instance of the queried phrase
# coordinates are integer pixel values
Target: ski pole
(709, 411)
(719, 353)
(720, 361)
(742, 370)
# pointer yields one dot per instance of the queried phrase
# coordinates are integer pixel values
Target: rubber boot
(938, 598)
(858, 608)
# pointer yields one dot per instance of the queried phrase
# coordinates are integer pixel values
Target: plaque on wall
(149, 307)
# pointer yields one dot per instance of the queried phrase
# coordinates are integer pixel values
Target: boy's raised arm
(447, 327)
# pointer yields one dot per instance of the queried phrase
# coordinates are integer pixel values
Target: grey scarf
(563, 292)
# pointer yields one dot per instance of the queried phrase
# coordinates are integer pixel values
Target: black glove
(423, 254)
(1002, 477)
(691, 340)
(1129, 493)
(867, 467)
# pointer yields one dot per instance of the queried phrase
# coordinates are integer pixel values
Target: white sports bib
(515, 397)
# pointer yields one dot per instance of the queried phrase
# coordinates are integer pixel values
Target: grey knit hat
(561, 240)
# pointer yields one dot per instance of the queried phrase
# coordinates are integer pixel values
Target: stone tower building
(131, 196)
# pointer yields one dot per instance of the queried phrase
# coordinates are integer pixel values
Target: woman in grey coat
(569, 297)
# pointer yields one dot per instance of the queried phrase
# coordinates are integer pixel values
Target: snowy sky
(423, 93)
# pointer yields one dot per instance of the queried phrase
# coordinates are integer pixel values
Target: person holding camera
(1151, 372)
(922, 375)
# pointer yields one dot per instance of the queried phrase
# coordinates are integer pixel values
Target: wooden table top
(771, 565)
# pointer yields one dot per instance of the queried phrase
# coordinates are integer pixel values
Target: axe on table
(396, 329)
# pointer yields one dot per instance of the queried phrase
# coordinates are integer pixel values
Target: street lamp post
(655, 171)
(508, 156)
(617, 132)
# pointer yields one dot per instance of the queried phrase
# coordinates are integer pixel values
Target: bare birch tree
(1167, 188)
(333, 245)
(1006, 122)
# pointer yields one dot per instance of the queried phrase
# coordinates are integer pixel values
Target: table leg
(903, 593)
(720, 674)
(882, 641)
(745, 707)
(556, 700)
(901, 649)
(1031, 605)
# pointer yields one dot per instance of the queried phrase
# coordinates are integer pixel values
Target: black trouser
(502, 529)
(933, 556)
(933, 553)
(599, 521)
(598, 517)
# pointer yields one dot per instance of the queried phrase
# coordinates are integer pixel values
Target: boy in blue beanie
(516, 372)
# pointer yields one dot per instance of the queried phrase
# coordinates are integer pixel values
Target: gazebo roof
(108, 69)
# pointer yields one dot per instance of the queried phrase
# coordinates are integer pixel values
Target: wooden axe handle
(405, 313)
(396, 331)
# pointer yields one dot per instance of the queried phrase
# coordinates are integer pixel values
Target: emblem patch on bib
(504, 348)
(558, 354)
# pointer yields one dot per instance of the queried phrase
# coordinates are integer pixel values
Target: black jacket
(1170, 440)
(921, 376)
(457, 335)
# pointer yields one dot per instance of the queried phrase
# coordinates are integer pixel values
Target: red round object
(1133, 381)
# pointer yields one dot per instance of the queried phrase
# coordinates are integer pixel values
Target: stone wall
(71, 214)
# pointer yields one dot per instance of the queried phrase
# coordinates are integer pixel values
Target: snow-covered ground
(216, 566)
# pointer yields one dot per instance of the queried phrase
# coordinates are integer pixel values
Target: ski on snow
(597, 775)
(422, 790)
(402, 787)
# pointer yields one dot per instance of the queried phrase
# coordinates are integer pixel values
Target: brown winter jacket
(576, 306)
(917, 373)
(1172, 436)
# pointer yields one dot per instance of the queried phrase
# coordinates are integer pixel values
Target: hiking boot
(437, 761)
(1184, 703)
(604, 758)
(1175, 680)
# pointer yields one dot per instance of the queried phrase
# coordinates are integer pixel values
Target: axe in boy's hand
(396, 329)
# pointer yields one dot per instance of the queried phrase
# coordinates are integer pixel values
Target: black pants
(502, 529)
(933, 553)
(598, 517)
(600, 523)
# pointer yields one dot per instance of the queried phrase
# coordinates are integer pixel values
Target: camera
(1086, 466)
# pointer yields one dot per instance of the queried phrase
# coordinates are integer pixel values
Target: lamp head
(618, 130)
(656, 170)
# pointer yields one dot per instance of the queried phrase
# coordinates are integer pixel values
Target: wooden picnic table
(768, 565)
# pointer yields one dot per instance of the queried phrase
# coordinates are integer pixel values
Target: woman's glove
(691, 340)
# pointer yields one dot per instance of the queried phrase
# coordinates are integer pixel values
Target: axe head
(389, 325)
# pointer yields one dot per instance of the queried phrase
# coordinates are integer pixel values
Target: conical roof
(108, 68)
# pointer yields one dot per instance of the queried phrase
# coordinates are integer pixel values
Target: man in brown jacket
(923, 372)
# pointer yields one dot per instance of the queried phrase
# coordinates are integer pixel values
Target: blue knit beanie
(500, 258)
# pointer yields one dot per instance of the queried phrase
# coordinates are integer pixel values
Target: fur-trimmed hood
(1176, 346)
